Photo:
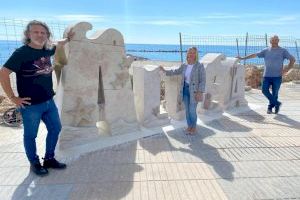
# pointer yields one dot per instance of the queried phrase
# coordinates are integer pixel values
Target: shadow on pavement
(225, 124)
(179, 144)
(255, 117)
(105, 174)
(31, 189)
(251, 116)
(290, 122)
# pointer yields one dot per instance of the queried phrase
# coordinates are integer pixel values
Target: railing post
(246, 46)
(180, 41)
(237, 47)
(297, 52)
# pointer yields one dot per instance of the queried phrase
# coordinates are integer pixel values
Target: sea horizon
(163, 52)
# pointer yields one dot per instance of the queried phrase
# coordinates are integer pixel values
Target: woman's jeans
(190, 108)
(275, 82)
(32, 115)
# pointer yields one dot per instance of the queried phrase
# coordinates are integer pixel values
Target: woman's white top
(188, 74)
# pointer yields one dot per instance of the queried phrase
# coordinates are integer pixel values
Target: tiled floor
(251, 155)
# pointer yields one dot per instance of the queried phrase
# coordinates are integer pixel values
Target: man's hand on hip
(21, 102)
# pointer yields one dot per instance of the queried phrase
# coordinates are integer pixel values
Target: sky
(160, 21)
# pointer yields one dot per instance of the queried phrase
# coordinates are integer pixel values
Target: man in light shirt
(274, 57)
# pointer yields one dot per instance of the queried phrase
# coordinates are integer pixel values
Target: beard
(38, 42)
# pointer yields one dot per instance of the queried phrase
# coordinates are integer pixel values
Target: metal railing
(233, 46)
(11, 33)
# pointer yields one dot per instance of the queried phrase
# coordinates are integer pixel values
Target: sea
(163, 52)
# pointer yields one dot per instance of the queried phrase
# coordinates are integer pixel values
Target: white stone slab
(147, 88)
(95, 90)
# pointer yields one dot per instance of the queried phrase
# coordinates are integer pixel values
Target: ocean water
(172, 52)
(162, 51)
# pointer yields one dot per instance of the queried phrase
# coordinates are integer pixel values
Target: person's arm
(6, 85)
(172, 71)
(202, 79)
(61, 43)
(291, 63)
(292, 60)
(199, 94)
(247, 57)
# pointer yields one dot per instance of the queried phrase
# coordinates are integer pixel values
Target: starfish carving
(81, 113)
(121, 79)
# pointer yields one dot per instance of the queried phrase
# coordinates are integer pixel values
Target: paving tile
(250, 155)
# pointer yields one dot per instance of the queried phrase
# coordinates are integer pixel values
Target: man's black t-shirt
(34, 73)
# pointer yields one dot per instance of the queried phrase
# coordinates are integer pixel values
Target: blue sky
(160, 21)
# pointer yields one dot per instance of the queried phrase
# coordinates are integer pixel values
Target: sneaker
(269, 111)
(53, 163)
(38, 169)
(277, 108)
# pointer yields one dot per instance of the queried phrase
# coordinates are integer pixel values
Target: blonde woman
(192, 86)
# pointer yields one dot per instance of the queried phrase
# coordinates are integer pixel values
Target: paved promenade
(246, 155)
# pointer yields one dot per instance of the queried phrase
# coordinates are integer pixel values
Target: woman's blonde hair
(26, 39)
(195, 49)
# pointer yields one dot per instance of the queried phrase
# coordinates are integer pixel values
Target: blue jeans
(190, 108)
(275, 82)
(32, 115)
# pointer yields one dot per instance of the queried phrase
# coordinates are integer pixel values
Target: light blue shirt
(274, 58)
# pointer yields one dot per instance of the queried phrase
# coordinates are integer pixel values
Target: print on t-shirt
(41, 66)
